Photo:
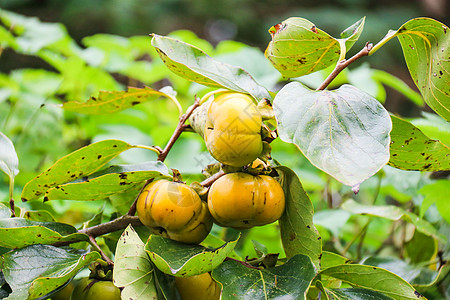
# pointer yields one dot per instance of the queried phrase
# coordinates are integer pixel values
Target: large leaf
(193, 64)
(181, 260)
(344, 132)
(9, 162)
(133, 270)
(77, 164)
(36, 270)
(110, 102)
(288, 281)
(426, 47)
(298, 47)
(393, 213)
(411, 150)
(374, 278)
(113, 180)
(298, 234)
(5, 212)
(19, 232)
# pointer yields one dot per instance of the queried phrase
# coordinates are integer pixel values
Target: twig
(97, 247)
(244, 263)
(210, 180)
(341, 65)
(180, 128)
(111, 226)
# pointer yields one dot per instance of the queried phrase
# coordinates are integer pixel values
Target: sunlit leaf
(5, 212)
(374, 278)
(330, 259)
(133, 270)
(298, 47)
(344, 132)
(36, 270)
(288, 281)
(77, 164)
(180, 260)
(393, 213)
(356, 294)
(411, 150)
(19, 232)
(100, 185)
(298, 234)
(9, 162)
(193, 64)
(109, 102)
(426, 47)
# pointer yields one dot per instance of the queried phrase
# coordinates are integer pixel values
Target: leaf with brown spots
(412, 150)
(77, 164)
(109, 102)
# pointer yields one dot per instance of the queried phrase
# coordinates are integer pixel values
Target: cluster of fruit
(231, 128)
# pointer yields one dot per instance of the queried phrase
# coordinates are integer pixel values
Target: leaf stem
(93, 242)
(341, 65)
(207, 95)
(180, 128)
(244, 263)
(152, 148)
(177, 104)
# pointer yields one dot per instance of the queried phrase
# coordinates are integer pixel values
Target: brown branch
(180, 128)
(11, 204)
(97, 247)
(210, 180)
(341, 65)
(244, 263)
(111, 226)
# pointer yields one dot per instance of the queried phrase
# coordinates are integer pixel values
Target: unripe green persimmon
(198, 287)
(174, 210)
(233, 129)
(241, 200)
(91, 289)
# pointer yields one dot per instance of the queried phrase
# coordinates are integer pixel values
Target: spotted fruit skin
(233, 129)
(241, 200)
(174, 210)
(198, 287)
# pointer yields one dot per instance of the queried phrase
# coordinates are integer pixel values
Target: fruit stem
(11, 196)
(210, 180)
(341, 65)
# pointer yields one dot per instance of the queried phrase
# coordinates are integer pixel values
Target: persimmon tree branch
(111, 226)
(341, 65)
(97, 247)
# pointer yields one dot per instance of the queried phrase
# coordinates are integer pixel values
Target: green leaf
(426, 47)
(9, 162)
(374, 278)
(288, 281)
(356, 294)
(182, 260)
(393, 213)
(350, 35)
(36, 270)
(298, 48)
(344, 132)
(110, 102)
(330, 259)
(434, 127)
(39, 215)
(193, 64)
(19, 232)
(116, 180)
(77, 164)
(411, 150)
(332, 219)
(436, 192)
(298, 234)
(133, 270)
